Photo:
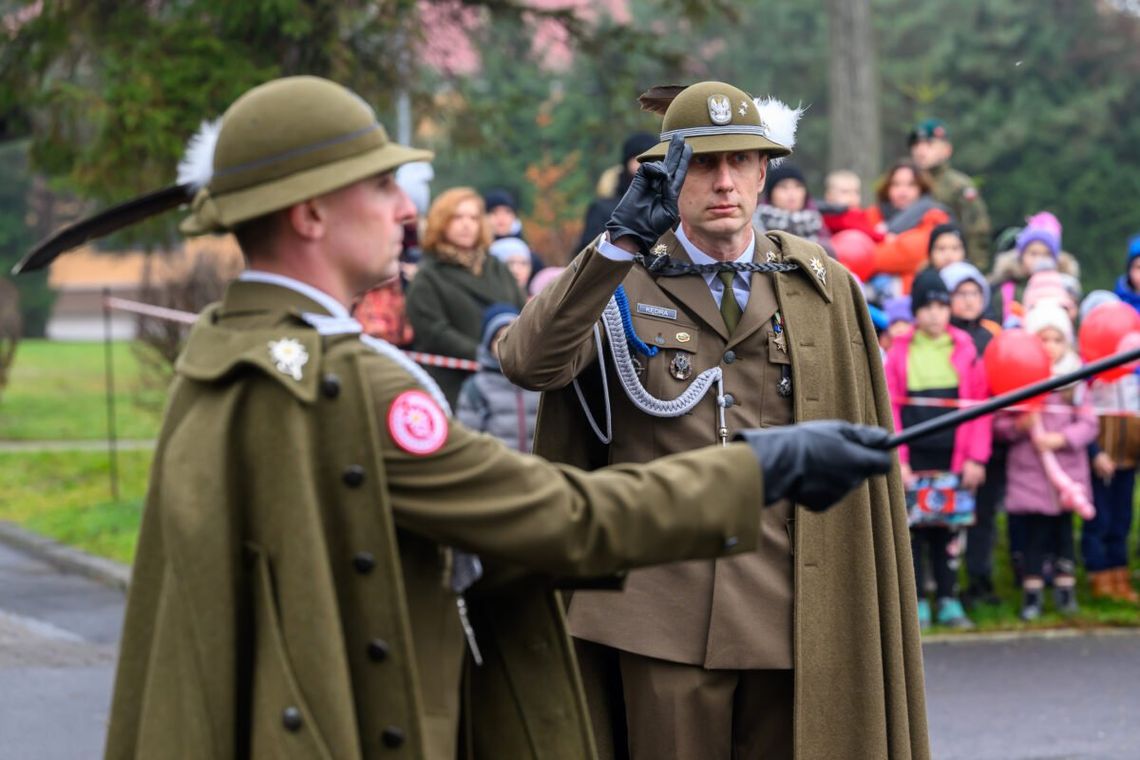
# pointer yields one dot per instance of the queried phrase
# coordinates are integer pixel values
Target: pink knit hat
(1042, 227)
(1047, 285)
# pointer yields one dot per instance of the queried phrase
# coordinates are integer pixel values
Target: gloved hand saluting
(817, 463)
(649, 207)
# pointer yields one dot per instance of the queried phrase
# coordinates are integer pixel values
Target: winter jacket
(1028, 490)
(909, 250)
(490, 403)
(1119, 436)
(972, 440)
(1008, 279)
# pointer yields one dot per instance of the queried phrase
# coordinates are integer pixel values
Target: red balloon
(856, 251)
(1129, 342)
(1104, 327)
(1015, 359)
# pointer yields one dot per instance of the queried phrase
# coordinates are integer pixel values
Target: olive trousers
(686, 712)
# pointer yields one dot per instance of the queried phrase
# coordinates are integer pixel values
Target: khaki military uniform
(797, 603)
(290, 594)
(957, 192)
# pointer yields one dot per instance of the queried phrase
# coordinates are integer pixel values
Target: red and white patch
(416, 423)
(970, 193)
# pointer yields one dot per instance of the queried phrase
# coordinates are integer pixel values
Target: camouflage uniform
(958, 193)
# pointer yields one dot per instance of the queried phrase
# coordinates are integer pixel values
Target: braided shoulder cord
(627, 325)
(663, 266)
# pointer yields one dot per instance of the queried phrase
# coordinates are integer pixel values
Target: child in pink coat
(1035, 512)
(938, 361)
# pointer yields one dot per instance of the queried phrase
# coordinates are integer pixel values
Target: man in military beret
(662, 338)
(306, 582)
(931, 149)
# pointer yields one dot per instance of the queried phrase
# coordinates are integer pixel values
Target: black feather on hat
(657, 99)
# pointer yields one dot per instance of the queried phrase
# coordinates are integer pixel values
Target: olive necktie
(729, 307)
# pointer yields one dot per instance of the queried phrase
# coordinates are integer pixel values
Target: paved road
(1072, 698)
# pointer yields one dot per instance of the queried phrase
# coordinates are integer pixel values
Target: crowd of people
(921, 250)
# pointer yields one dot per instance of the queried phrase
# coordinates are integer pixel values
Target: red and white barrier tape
(188, 318)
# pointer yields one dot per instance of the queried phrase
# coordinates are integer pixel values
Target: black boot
(1065, 597)
(1031, 602)
(980, 591)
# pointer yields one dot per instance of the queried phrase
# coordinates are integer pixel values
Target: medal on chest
(680, 367)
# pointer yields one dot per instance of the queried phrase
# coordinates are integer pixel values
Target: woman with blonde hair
(456, 282)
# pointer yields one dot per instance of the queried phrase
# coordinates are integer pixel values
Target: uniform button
(353, 475)
(363, 562)
(330, 386)
(729, 400)
(291, 719)
(392, 737)
(729, 356)
(378, 650)
(731, 542)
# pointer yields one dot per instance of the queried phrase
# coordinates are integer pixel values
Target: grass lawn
(67, 496)
(56, 392)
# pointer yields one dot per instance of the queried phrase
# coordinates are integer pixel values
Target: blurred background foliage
(97, 98)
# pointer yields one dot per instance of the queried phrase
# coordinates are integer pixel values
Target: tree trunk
(854, 92)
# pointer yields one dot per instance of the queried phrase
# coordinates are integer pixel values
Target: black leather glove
(817, 463)
(649, 207)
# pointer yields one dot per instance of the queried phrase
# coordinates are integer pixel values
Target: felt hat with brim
(286, 141)
(715, 117)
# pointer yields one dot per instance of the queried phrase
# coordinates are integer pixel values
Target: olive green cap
(287, 141)
(715, 117)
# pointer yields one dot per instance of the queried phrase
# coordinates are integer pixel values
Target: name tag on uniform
(656, 311)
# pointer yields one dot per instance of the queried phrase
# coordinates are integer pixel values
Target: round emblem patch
(416, 423)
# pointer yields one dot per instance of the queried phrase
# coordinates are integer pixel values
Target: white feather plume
(780, 121)
(197, 164)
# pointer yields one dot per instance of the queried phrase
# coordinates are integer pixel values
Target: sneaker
(923, 614)
(1065, 598)
(1031, 600)
(951, 614)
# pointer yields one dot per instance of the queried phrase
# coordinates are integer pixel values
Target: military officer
(931, 149)
(306, 581)
(661, 338)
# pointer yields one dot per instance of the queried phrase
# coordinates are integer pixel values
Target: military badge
(680, 368)
(289, 356)
(818, 270)
(683, 337)
(743, 109)
(720, 109)
(416, 423)
(771, 257)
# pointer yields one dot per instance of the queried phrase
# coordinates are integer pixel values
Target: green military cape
(857, 646)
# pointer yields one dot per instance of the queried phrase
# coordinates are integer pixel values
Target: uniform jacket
(446, 302)
(853, 632)
(289, 595)
(1028, 489)
(972, 440)
(959, 193)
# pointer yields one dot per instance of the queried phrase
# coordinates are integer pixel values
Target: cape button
(378, 650)
(353, 476)
(392, 737)
(729, 400)
(363, 562)
(291, 719)
(330, 385)
(729, 356)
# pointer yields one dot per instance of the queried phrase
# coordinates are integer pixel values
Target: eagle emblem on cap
(720, 109)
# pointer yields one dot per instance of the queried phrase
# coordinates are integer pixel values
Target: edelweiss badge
(818, 270)
(720, 109)
(289, 356)
(771, 257)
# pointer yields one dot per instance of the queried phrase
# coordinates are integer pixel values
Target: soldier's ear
(307, 219)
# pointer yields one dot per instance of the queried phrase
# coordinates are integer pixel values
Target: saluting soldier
(931, 149)
(662, 338)
(304, 584)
